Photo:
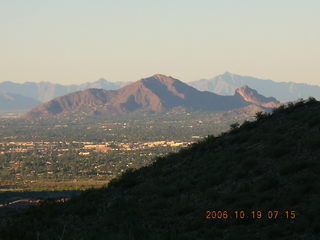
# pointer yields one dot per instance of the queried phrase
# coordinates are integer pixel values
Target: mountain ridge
(227, 83)
(45, 91)
(252, 96)
(223, 84)
(158, 93)
(16, 102)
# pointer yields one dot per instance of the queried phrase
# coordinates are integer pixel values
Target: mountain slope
(271, 164)
(157, 93)
(252, 96)
(45, 91)
(15, 102)
(227, 83)
(85, 101)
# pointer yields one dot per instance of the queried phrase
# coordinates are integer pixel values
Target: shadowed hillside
(271, 164)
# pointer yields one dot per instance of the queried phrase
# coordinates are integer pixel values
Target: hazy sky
(75, 41)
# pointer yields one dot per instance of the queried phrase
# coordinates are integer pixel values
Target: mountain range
(15, 102)
(158, 93)
(227, 83)
(45, 91)
(224, 84)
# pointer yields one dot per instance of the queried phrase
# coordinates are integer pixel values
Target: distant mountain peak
(159, 81)
(13, 102)
(227, 73)
(245, 88)
(45, 91)
(160, 77)
(252, 96)
(246, 92)
(102, 80)
(227, 83)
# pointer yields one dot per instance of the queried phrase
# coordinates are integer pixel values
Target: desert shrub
(312, 100)
(314, 143)
(250, 163)
(267, 183)
(234, 126)
(210, 138)
(261, 116)
(278, 151)
(241, 137)
(229, 199)
(247, 125)
(290, 106)
(288, 167)
(280, 109)
(314, 121)
(127, 180)
(299, 103)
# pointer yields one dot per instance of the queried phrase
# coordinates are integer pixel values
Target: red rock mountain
(157, 93)
(252, 96)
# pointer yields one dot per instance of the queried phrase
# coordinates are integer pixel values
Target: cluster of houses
(83, 148)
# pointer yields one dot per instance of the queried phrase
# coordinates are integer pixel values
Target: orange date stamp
(254, 214)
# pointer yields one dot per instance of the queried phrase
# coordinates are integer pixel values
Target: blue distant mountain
(45, 91)
(227, 83)
(15, 102)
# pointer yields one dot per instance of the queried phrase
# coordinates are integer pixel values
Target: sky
(76, 41)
